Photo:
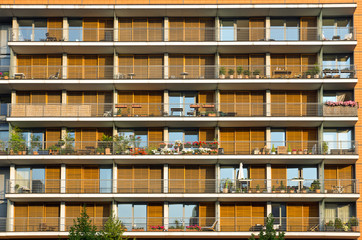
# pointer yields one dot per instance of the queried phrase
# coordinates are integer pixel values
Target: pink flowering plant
(193, 227)
(341, 103)
(157, 227)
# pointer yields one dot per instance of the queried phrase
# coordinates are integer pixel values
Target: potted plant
(231, 73)
(246, 73)
(316, 186)
(193, 228)
(353, 224)
(273, 189)
(119, 112)
(308, 74)
(316, 70)
(330, 226)
(291, 190)
(16, 141)
(282, 187)
(338, 225)
(226, 186)
(222, 72)
(177, 228)
(289, 149)
(138, 229)
(256, 151)
(294, 151)
(6, 75)
(304, 189)
(257, 188)
(256, 73)
(325, 147)
(158, 228)
(273, 151)
(239, 72)
(300, 151)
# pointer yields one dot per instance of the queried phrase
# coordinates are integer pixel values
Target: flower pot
(257, 76)
(175, 230)
(225, 190)
(222, 76)
(257, 191)
(35, 153)
(289, 153)
(156, 230)
(212, 114)
(239, 76)
(231, 76)
(192, 230)
(291, 191)
(138, 230)
(20, 153)
(309, 76)
(354, 228)
(282, 191)
(246, 76)
(273, 153)
(304, 191)
(300, 152)
(317, 191)
(273, 191)
(294, 152)
(249, 191)
(316, 76)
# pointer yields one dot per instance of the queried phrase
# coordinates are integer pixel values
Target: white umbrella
(241, 172)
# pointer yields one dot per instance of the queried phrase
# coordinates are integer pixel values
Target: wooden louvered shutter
(72, 211)
(125, 179)
(310, 215)
(279, 176)
(91, 98)
(293, 103)
(52, 136)
(40, 67)
(156, 179)
(227, 217)
(345, 176)
(90, 66)
(242, 103)
(257, 138)
(192, 29)
(207, 63)
(207, 214)
(24, 65)
(176, 30)
(55, 66)
(308, 62)
(192, 65)
(330, 177)
(177, 179)
(52, 179)
(309, 103)
(89, 138)
(207, 179)
(75, 67)
(125, 64)
(55, 28)
(90, 29)
(278, 103)
(101, 214)
(140, 29)
(258, 103)
(105, 30)
(308, 31)
(176, 66)
(155, 29)
(294, 217)
(155, 66)
(242, 30)
(227, 136)
(294, 65)
(74, 97)
(125, 97)
(192, 176)
(105, 67)
(154, 214)
(54, 97)
(38, 97)
(74, 176)
(155, 137)
(52, 214)
(243, 216)
(206, 134)
(141, 97)
(125, 29)
(20, 217)
(141, 66)
(257, 173)
(309, 138)
(257, 29)
(36, 215)
(22, 97)
(227, 102)
(207, 29)
(242, 141)
(206, 97)
(91, 179)
(258, 213)
(277, 62)
(155, 106)
(141, 176)
(257, 62)
(294, 138)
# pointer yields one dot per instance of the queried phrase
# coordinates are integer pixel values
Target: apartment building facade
(184, 119)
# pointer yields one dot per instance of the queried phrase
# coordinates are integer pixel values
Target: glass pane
(227, 32)
(25, 29)
(310, 173)
(292, 172)
(191, 136)
(75, 30)
(277, 29)
(330, 137)
(191, 214)
(227, 172)
(277, 137)
(140, 215)
(38, 177)
(40, 30)
(22, 178)
(189, 99)
(292, 31)
(38, 174)
(175, 101)
(328, 29)
(330, 97)
(176, 135)
(175, 214)
(105, 177)
(125, 215)
(141, 137)
(344, 139)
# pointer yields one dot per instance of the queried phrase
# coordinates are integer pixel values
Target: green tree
(269, 233)
(82, 228)
(113, 229)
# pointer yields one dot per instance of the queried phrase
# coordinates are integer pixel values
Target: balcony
(125, 146)
(244, 187)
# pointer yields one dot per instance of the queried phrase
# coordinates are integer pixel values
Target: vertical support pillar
(321, 214)
(165, 134)
(62, 217)
(165, 214)
(63, 183)
(320, 139)
(320, 100)
(217, 134)
(165, 29)
(115, 65)
(268, 103)
(268, 137)
(165, 178)
(114, 130)
(64, 96)
(217, 215)
(114, 209)
(268, 208)
(217, 178)
(12, 177)
(319, 25)
(267, 65)
(217, 101)
(115, 29)
(166, 71)
(15, 29)
(217, 28)
(268, 178)
(63, 132)
(321, 175)
(115, 101)
(13, 96)
(165, 105)
(65, 29)
(217, 62)
(267, 28)
(13, 61)
(10, 217)
(65, 66)
(114, 177)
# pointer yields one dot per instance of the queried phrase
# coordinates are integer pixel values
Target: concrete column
(321, 175)
(217, 215)
(115, 130)
(65, 65)
(62, 217)
(320, 138)
(115, 177)
(165, 214)
(15, 29)
(217, 177)
(217, 101)
(217, 133)
(268, 137)
(10, 217)
(267, 63)
(115, 27)
(165, 178)
(267, 28)
(115, 101)
(165, 29)
(63, 132)
(13, 68)
(268, 208)
(63, 182)
(235, 31)
(319, 25)
(64, 96)
(320, 100)
(65, 29)
(115, 209)
(268, 177)
(217, 28)
(115, 65)
(165, 103)
(268, 102)
(321, 214)
(165, 66)
(13, 96)
(12, 177)
(165, 134)
(217, 61)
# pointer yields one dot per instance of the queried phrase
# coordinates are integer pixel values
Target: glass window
(227, 31)
(125, 214)
(105, 178)
(279, 214)
(337, 29)
(22, 177)
(292, 29)
(284, 29)
(187, 214)
(338, 138)
(277, 137)
(338, 66)
(140, 136)
(310, 173)
(179, 103)
(75, 29)
(25, 29)
(343, 211)
(183, 135)
(40, 29)
(133, 215)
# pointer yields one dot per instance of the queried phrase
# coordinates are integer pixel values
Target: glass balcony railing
(186, 34)
(119, 110)
(192, 186)
(125, 146)
(172, 72)
(188, 224)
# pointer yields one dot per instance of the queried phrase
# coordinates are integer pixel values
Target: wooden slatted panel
(176, 31)
(155, 137)
(192, 176)
(310, 215)
(72, 210)
(345, 174)
(258, 174)
(154, 214)
(36, 215)
(55, 26)
(308, 30)
(293, 103)
(242, 103)
(294, 138)
(258, 213)
(140, 29)
(55, 66)
(257, 62)
(74, 97)
(90, 66)
(78, 139)
(227, 100)
(125, 63)
(52, 179)
(155, 66)
(54, 97)
(141, 176)
(294, 217)
(207, 214)
(243, 216)
(277, 62)
(105, 30)
(176, 66)
(39, 65)
(308, 62)
(206, 134)
(156, 103)
(52, 214)
(73, 176)
(102, 212)
(257, 29)
(105, 67)
(38, 97)
(22, 97)
(91, 179)
(257, 138)
(242, 141)
(206, 97)
(279, 176)
(309, 100)
(207, 32)
(125, 29)
(192, 29)
(90, 29)
(242, 33)
(156, 176)
(259, 107)
(125, 176)
(125, 96)
(24, 65)
(293, 65)
(21, 217)
(227, 217)
(89, 138)
(155, 29)
(52, 136)
(141, 97)
(278, 100)
(75, 67)
(104, 100)
(91, 97)
(141, 66)
(207, 178)
(192, 65)
(310, 138)
(177, 176)
(206, 69)
(227, 137)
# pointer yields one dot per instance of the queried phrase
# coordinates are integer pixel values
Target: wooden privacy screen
(150, 101)
(241, 217)
(141, 66)
(191, 29)
(36, 217)
(140, 179)
(140, 29)
(243, 103)
(82, 179)
(52, 179)
(87, 138)
(294, 65)
(302, 138)
(196, 66)
(207, 214)
(258, 174)
(250, 62)
(55, 28)
(94, 104)
(206, 97)
(90, 66)
(154, 215)
(294, 103)
(52, 136)
(206, 134)
(302, 217)
(39, 66)
(308, 29)
(98, 213)
(191, 179)
(242, 140)
(256, 29)
(279, 176)
(339, 176)
(97, 29)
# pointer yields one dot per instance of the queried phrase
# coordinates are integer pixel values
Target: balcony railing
(187, 34)
(179, 110)
(124, 146)
(191, 224)
(237, 72)
(238, 186)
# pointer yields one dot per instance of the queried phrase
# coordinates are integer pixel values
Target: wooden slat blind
(154, 214)
(279, 175)
(52, 179)
(257, 29)
(308, 30)
(90, 66)
(55, 26)
(206, 134)
(52, 136)
(191, 29)
(301, 215)
(39, 66)
(206, 213)
(258, 174)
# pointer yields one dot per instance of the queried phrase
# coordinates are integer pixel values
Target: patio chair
(55, 76)
(209, 228)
